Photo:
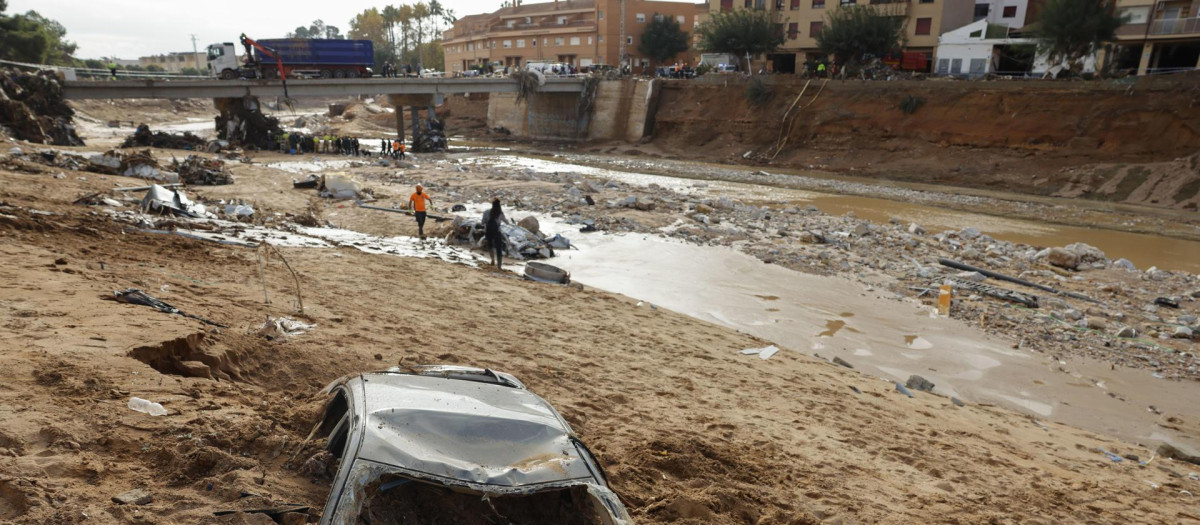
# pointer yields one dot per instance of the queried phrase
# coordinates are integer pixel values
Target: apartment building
(802, 20)
(583, 33)
(175, 62)
(1015, 14)
(1160, 36)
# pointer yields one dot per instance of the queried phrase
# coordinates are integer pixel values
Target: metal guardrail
(121, 73)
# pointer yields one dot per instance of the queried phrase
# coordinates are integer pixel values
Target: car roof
(479, 432)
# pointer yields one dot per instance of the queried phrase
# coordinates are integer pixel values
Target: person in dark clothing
(492, 219)
(357, 152)
(383, 147)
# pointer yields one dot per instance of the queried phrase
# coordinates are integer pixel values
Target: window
(814, 28)
(1010, 11)
(629, 40)
(849, 2)
(641, 18)
(779, 5)
(943, 66)
(956, 66)
(533, 42)
(760, 4)
(562, 20)
(511, 23)
(574, 40)
(507, 44)
(601, 40)
(926, 1)
(981, 11)
(658, 17)
(795, 5)
(681, 19)
(793, 30)
(528, 20)
(558, 41)
(818, 4)
(924, 25)
(600, 15)
(726, 6)
(521, 43)
(749, 4)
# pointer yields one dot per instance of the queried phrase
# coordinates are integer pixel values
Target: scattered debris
(161, 200)
(146, 407)
(842, 362)
(545, 273)
(283, 327)
(1115, 458)
(199, 171)
(241, 122)
(144, 138)
(762, 353)
(138, 297)
(900, 388)
(1168, 450)
(135, 496)
(340, 186)
(32, 108)
(917, 382)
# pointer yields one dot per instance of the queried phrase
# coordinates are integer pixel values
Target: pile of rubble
(144, 138)
(199, 171)
(432, 137)
(521, 241)
(242, 122)
(32, 108)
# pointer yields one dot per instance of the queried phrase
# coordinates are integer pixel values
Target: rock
(1124, 264)
(917, 382)
(1154, 274)
(592, 187)
(725, 203)
(1087, 253)
(842, 362)
(574, 194)
(1182, 332)
(195, 369)
(134, 497)
(1186, 319)
(704, 208)
(1062, 258)
(811, 237)
(16, 152)
(643, 204)
(530, 223)
(969, 233)
(700, 218)
(1168, 450)
(916, 229)
(379, 357)
(975, 277)
(1072, 315)
(862, 229)
(1096, 323)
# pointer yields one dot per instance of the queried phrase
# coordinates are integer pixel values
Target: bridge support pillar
(411, 101)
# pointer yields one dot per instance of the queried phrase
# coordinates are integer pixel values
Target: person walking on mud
(492, 219)
(417, 203)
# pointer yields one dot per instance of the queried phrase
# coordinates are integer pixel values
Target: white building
(980, 48)
(1011, 13)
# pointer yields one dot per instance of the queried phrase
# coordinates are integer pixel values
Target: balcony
(1175, 26)
(891, 7)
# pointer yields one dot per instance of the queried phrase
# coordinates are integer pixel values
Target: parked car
(451, 444)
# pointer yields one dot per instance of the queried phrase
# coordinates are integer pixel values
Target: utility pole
(195, 52)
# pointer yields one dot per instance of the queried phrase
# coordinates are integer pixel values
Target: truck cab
(223, 61)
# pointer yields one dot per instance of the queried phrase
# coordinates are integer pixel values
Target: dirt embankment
(1017, 136)
(688, 430)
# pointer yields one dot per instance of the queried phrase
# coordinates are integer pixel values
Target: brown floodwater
(1143, 249)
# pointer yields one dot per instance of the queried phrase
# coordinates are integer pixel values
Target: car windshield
(397, 499)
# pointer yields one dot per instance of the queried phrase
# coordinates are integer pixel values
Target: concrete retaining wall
(624, 110)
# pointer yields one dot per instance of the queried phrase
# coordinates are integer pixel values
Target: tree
(190, 71)
(853, 33)
(1069, 30)
(318, 29)
(740, 32)
(663, 39)
(154, 68)
(31, 37)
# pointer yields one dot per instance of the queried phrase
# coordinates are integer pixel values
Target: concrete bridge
(216, 89)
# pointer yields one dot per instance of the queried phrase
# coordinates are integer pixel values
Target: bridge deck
(77, 90)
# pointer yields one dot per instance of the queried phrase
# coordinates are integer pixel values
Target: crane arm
(249, 43)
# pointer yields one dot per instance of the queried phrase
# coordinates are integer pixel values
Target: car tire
(325, 73)
(339, 73)
(228, 74)
(351, 73)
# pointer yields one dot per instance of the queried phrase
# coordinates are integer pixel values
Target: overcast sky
(132, 28)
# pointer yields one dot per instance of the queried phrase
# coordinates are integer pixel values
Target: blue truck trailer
(292, 57)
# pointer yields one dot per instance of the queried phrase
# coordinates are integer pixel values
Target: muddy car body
(448, 444)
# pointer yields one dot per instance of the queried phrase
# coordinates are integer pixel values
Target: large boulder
(530, 223)
(1062, 258)
(1087, 253)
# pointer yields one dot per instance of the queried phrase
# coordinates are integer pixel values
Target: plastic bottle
(146, 407)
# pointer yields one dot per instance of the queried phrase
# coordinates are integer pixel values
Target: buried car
(452, 444)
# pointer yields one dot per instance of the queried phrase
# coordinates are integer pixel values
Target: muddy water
(1143, 249)
(880, 335)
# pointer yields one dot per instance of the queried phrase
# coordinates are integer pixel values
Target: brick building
(802, 20)
(1160, 36)
(579, 32)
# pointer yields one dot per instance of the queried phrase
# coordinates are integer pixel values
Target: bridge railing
(73, 73)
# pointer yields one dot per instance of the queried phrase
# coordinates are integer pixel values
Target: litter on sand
(164, 201)
(138, 297)
(763, 353)
(903, 390)
(1115, 458)
(281, 327)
